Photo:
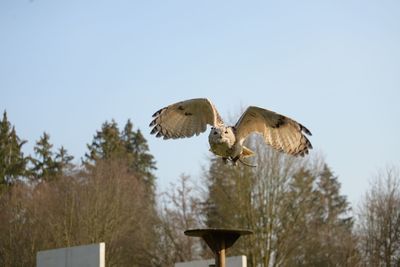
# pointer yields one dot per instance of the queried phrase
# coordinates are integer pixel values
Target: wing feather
(185, 119)
(281, 132)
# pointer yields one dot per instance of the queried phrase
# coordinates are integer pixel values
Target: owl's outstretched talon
(247, 164)
(234, 160)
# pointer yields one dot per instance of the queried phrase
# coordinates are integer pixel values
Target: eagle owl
(191, 117)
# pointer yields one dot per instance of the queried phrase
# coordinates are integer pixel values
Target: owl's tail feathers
(247, 152)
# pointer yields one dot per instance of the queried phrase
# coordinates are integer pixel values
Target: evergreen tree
(142, 162)
(335, 206)
(128, 145)
(44, 166)
(301, 222)
(296, 211)
(319, 227)
(336, 240)
(130, 150)
(106, 144)
(12, 160)
(63, 160)
(219, 208)
(229, 195)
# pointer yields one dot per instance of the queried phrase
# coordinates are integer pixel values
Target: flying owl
(191, 117)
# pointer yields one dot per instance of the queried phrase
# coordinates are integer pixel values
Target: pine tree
(128, 145)
(63, 160)
(44, 166)
(12, 160)
(296, 211)
(130, 151)
(302, 220)
(219, 208)
(141, 161)
(336, 238)
(106, 144)
(229, 194)
(317, 224)
(335, 206)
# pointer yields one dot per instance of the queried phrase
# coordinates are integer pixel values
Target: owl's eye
(226, 132)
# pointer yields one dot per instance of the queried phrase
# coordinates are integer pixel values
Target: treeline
(294, 206)
(48, 202)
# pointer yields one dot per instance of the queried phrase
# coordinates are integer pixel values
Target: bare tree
(242, 197)
(379, 220)
(293, 205)
(179, 211)
(19, 238)
(107, 204)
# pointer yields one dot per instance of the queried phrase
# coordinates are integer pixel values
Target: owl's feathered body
(191, 117)
(223, 142)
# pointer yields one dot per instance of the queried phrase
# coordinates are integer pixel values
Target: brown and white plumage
(282, 133)
(185, 119)
(191, 117)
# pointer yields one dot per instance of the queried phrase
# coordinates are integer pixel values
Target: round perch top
(201, 232)
(218, 238)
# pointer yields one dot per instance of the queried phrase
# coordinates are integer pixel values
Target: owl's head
(222, 134)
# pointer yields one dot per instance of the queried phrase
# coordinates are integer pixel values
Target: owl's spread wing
(282, 133)
(185, 119)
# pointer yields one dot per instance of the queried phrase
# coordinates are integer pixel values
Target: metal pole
(220, 258)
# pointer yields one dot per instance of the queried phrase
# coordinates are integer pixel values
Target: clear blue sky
(67, 66)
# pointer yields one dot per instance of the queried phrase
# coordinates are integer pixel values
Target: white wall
(81, 256)
(237, 261)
